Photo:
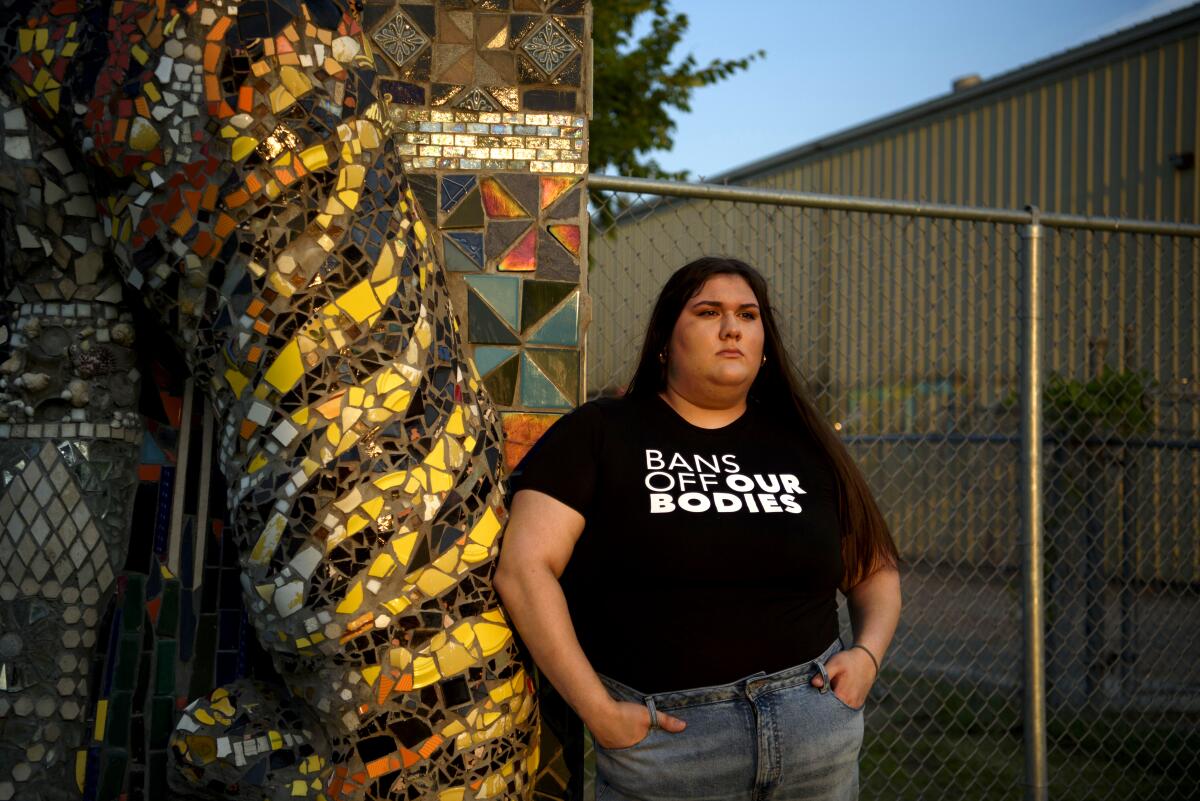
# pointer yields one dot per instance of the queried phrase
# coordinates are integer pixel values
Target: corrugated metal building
(1100, 129)
(909, 326)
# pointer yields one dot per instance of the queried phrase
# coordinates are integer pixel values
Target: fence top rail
(787, 197)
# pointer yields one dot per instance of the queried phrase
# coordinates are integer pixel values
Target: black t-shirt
(707, 554)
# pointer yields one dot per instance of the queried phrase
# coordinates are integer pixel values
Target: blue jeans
(762, 738)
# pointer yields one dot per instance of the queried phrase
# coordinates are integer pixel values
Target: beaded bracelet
(868, 650)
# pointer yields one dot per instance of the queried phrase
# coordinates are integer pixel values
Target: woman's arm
(537, 545)
(874, 612)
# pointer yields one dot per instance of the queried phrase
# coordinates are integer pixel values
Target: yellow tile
(425, 672)
(371, 674)
(382, 567)
(101, 719)
(285, 371)
(433, 582)
(485, 531)
(391, 480)
(492, 637)
(352, 601)
(374, 506)
(403, 546)
(453, 658)
(397, 605)
(315, 157)
(359, 302)
(243, 146)
(237, 382)
(455, 424)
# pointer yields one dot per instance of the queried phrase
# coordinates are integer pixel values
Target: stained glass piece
(561, 366)
(471, 244)
(455, 188)
(537, 390)
(502, 383)
(523, 257)
(561, 328)
(498, 202)
(502, 292)
(469, 213)
(488, 358)
(553, 188)
(484, 326)
(538, 298)
(567, 236)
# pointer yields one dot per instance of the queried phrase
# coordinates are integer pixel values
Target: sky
(833, 64)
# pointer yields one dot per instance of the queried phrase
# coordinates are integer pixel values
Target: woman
(700, 527)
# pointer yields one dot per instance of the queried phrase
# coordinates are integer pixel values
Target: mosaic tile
(523, 255)
(560, 328)
(540, 297)
(471, 244)
(454, 189)
(503, 293)
(400, 39)
(489, 358)
(271, 180)
(549, 46)
(537, 390)
(498, 202)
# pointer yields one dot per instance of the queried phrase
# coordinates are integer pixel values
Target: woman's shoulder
(599, 413)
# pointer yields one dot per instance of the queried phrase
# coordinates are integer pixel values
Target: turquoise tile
(560, 328)
(502, 292)
(537, 391)
(488, 359)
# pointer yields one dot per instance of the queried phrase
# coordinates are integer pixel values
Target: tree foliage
(636, 86)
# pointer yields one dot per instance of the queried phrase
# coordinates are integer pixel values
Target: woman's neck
(705, 412)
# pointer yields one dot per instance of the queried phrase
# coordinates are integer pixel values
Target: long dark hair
(866, 541)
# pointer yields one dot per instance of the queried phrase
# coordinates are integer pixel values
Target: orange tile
(254, 355)
(256, 306)
(248, 428)
(149, 472)
(217, 31)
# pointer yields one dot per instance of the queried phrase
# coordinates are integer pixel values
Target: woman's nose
(731, 327)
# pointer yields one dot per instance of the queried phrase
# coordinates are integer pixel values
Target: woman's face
(717, 343)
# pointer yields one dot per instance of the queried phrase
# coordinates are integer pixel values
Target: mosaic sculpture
(302, 193)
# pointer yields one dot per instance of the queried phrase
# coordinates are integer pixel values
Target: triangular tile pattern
(457, 260)
(469, 213)
(568, 236)
(484, 325)
(488, 358)
(524, 188)
(554, 262)
(454, 189)
(499, 202)
(566, 207)
(471, 244)
(502, 292)
(46, 528)
(553, 188)
(538, 298)
(523, 256)
(537, 390)
(501, 236)
(560, 328)
(560, 366)
(501, 383)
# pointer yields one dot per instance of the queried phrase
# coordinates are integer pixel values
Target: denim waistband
(751, 686)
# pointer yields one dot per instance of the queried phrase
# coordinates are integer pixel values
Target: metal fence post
(1032, 275)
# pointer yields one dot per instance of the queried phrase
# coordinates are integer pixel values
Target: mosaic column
(69, 436)
(305, 194)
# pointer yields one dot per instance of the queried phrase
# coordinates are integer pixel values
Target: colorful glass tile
(523, 256)
(567, 236)
(498, 202)
(502, 292)
(454, 189)
(560, 328)
(537, 390)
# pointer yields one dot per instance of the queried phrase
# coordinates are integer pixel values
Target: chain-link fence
(908, 325)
